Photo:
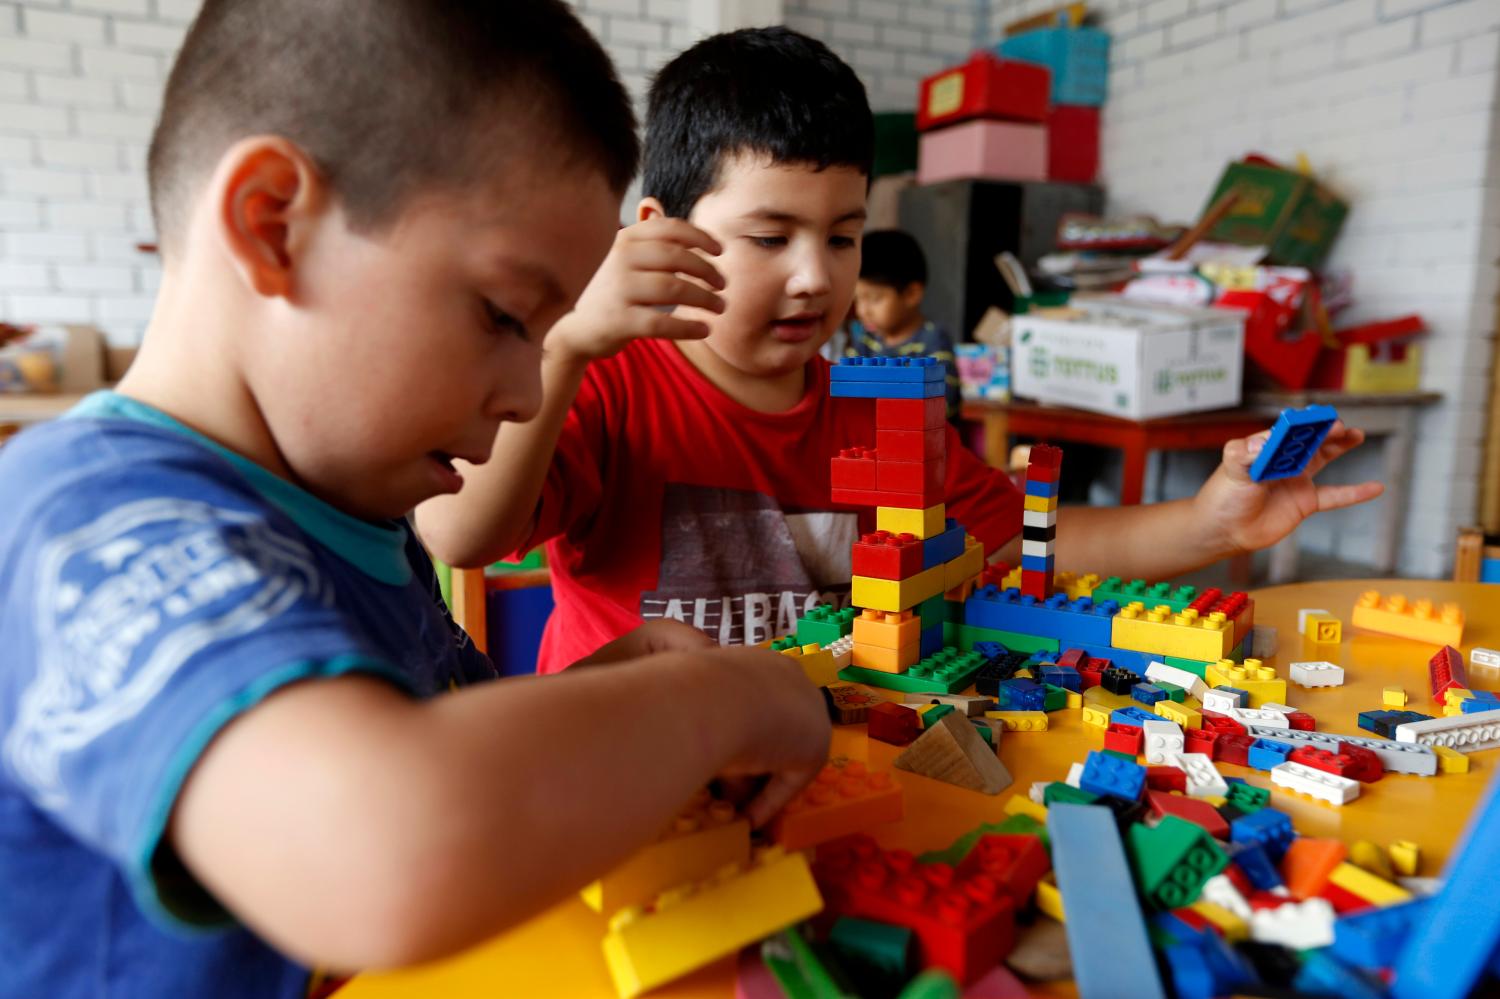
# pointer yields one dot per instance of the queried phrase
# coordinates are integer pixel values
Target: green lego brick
(934, 983)
(785, 642)
(1059, 791)
(986, 733)
(1150, 594)
(1194, 666)
(947, 672)
(935, 610)
(881, 947)
(825, 624)
(968, 634)
(931, 716)
(1172, 691)
(1247, 797)
(1056, 698)
(950, 634)
(1116, 753)
(799, 969)
(1172, 860)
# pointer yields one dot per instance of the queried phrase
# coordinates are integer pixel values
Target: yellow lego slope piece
(704, 837)
(696, 924)
(1159, 631)
(928, 523)
(1419, 621)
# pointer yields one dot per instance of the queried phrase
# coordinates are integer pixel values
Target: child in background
(888, 307)
(225, 698)
(679, 467)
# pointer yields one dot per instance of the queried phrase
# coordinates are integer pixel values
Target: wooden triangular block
(951, 751)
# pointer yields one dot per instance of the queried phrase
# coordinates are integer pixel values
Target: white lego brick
(1191, 682)
(1218, 701)
(842, 650)
(1304, 614)
(1038, 792)
(1298, 925)
(1317, 674)
(1039, 549)
(1075, 776)
(1484, 657)
(1397, 757)
(1162, 740)
(1203, 778)
(1319, 784)
(1222, 892)
(1468, 733)
(1259, 716)
(1039, 518)
(1262, 642)
(1281, 709)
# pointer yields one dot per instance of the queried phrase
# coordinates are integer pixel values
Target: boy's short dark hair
(388, 96)
(892, 257)
(770, 91)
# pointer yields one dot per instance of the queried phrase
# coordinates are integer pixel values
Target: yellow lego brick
(961, 592)
(1100, 697)
(1406, 857)
(896, 594)
(924, 524)
(1323, 629)
(1393, 697)
(887, 629)
(1252, 676)
(1419, 621)
(1020, 721)
(1049, 899)
(1370, 857)
(1216, 800)
(1232, 927)
(1019, 804)
(696, 924)
(1161, 632)
(1179, 713)
(1451, 761)
(1373, 889)
(1075, 586)
(816, 662)
(966, 566)
(1075, 699)
(1455, 696)
(1039, 504)
(1097, 717)
(704, 837)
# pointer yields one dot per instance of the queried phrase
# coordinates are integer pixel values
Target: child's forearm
(496, 509)
(1138, 542)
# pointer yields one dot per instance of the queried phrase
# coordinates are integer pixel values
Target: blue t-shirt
(153, 586)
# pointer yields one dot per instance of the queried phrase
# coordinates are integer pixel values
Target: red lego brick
(880, 497)
(883, 555)
(1232, 747)
(964, 924)
(1017, 861)
(1196, 920)
(1364, 766)
(912, 445)
(1240, 881)
(1166, 779)
(892, 723)
(923, 479)
(1446, 671)
(853, 468)
(1092, 671)
(1044, 462)
(1200, 813)
(1036, 584)
(1073, 658)
(1222, 723)
(1343, 900)
(1124, 738)
(1237, 607)
(1200, 740)
(1321, 759)
(1302, 721)
(994, 574)
(911, 414)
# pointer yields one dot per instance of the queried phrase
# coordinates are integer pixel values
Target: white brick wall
(1394, 102)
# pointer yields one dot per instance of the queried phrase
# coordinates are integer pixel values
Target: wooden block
(849, 703)
(966, 704)
(951, 751)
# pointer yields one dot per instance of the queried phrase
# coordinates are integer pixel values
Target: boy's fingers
(666, 289)
(779, 790)
(672, 259)
(678, 231)
(1240, 454)
(1338, 497)
(665, 327)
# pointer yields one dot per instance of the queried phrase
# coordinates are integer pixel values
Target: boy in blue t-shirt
(222, 762)
(888, 307)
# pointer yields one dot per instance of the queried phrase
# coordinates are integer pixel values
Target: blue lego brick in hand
(889, 369)
(1132, 715)
(1105, 774)
(1267, 753)
(1293, 442)
(1267, 828)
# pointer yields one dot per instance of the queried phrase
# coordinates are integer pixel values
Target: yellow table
(557, 953)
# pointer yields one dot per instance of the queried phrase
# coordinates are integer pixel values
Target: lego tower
(1039, 522)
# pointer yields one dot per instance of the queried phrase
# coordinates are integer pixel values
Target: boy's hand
(646, 273)
(1254, 515)
(662, 635)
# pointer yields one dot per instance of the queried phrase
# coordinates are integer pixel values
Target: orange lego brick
(846, 797)
(887, 629)
(886, 660)
(1308, 863)
(1419, 621)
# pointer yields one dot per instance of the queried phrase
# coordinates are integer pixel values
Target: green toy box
(1290, 213)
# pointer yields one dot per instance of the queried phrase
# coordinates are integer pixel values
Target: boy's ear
(650, 208)
(267, 194)
(912, 294)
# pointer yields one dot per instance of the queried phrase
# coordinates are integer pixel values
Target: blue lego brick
(990, 649)
(1473, 704)
(931, 641)
(1167, 928)
(1267, 753)
(1321, 974)
(1021, 695)
(1106, 932)
(1065, 677)
(1293, 442)
(1451, 949)
(1077, 622)
(885, 390)
(1383, 723)
(1255, 863)
(888, 369)
(1268, 828)
(1243, 695)
(943, 547)
(1106, 774)
(1045, 490)
(1131, 715)
(1205, 967)
(1129, 659)
(1039, 563)
(1371, 938)
(1148, 693)
(1369, 719)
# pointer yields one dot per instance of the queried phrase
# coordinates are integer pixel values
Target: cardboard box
(1077, 57)
(984, 87)
(1293, 216)
(1073, 143)
(984, 150)
(1124, 359)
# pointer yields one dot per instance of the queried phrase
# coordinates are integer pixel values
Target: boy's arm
(654, 266)
(355, 828)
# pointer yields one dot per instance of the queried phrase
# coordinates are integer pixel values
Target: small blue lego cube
(1252, 859)
(1065, 677)
(1293, 442)
(1267, 828)
(1021, 694)
(1148, 693)
(1105, 774)
(1267, 753)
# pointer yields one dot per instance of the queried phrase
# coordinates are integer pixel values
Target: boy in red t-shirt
(679, 466)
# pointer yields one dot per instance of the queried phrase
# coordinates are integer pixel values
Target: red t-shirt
(666, 498)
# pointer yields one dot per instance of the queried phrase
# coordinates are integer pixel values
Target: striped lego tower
(1039, 522)
(901, 571)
